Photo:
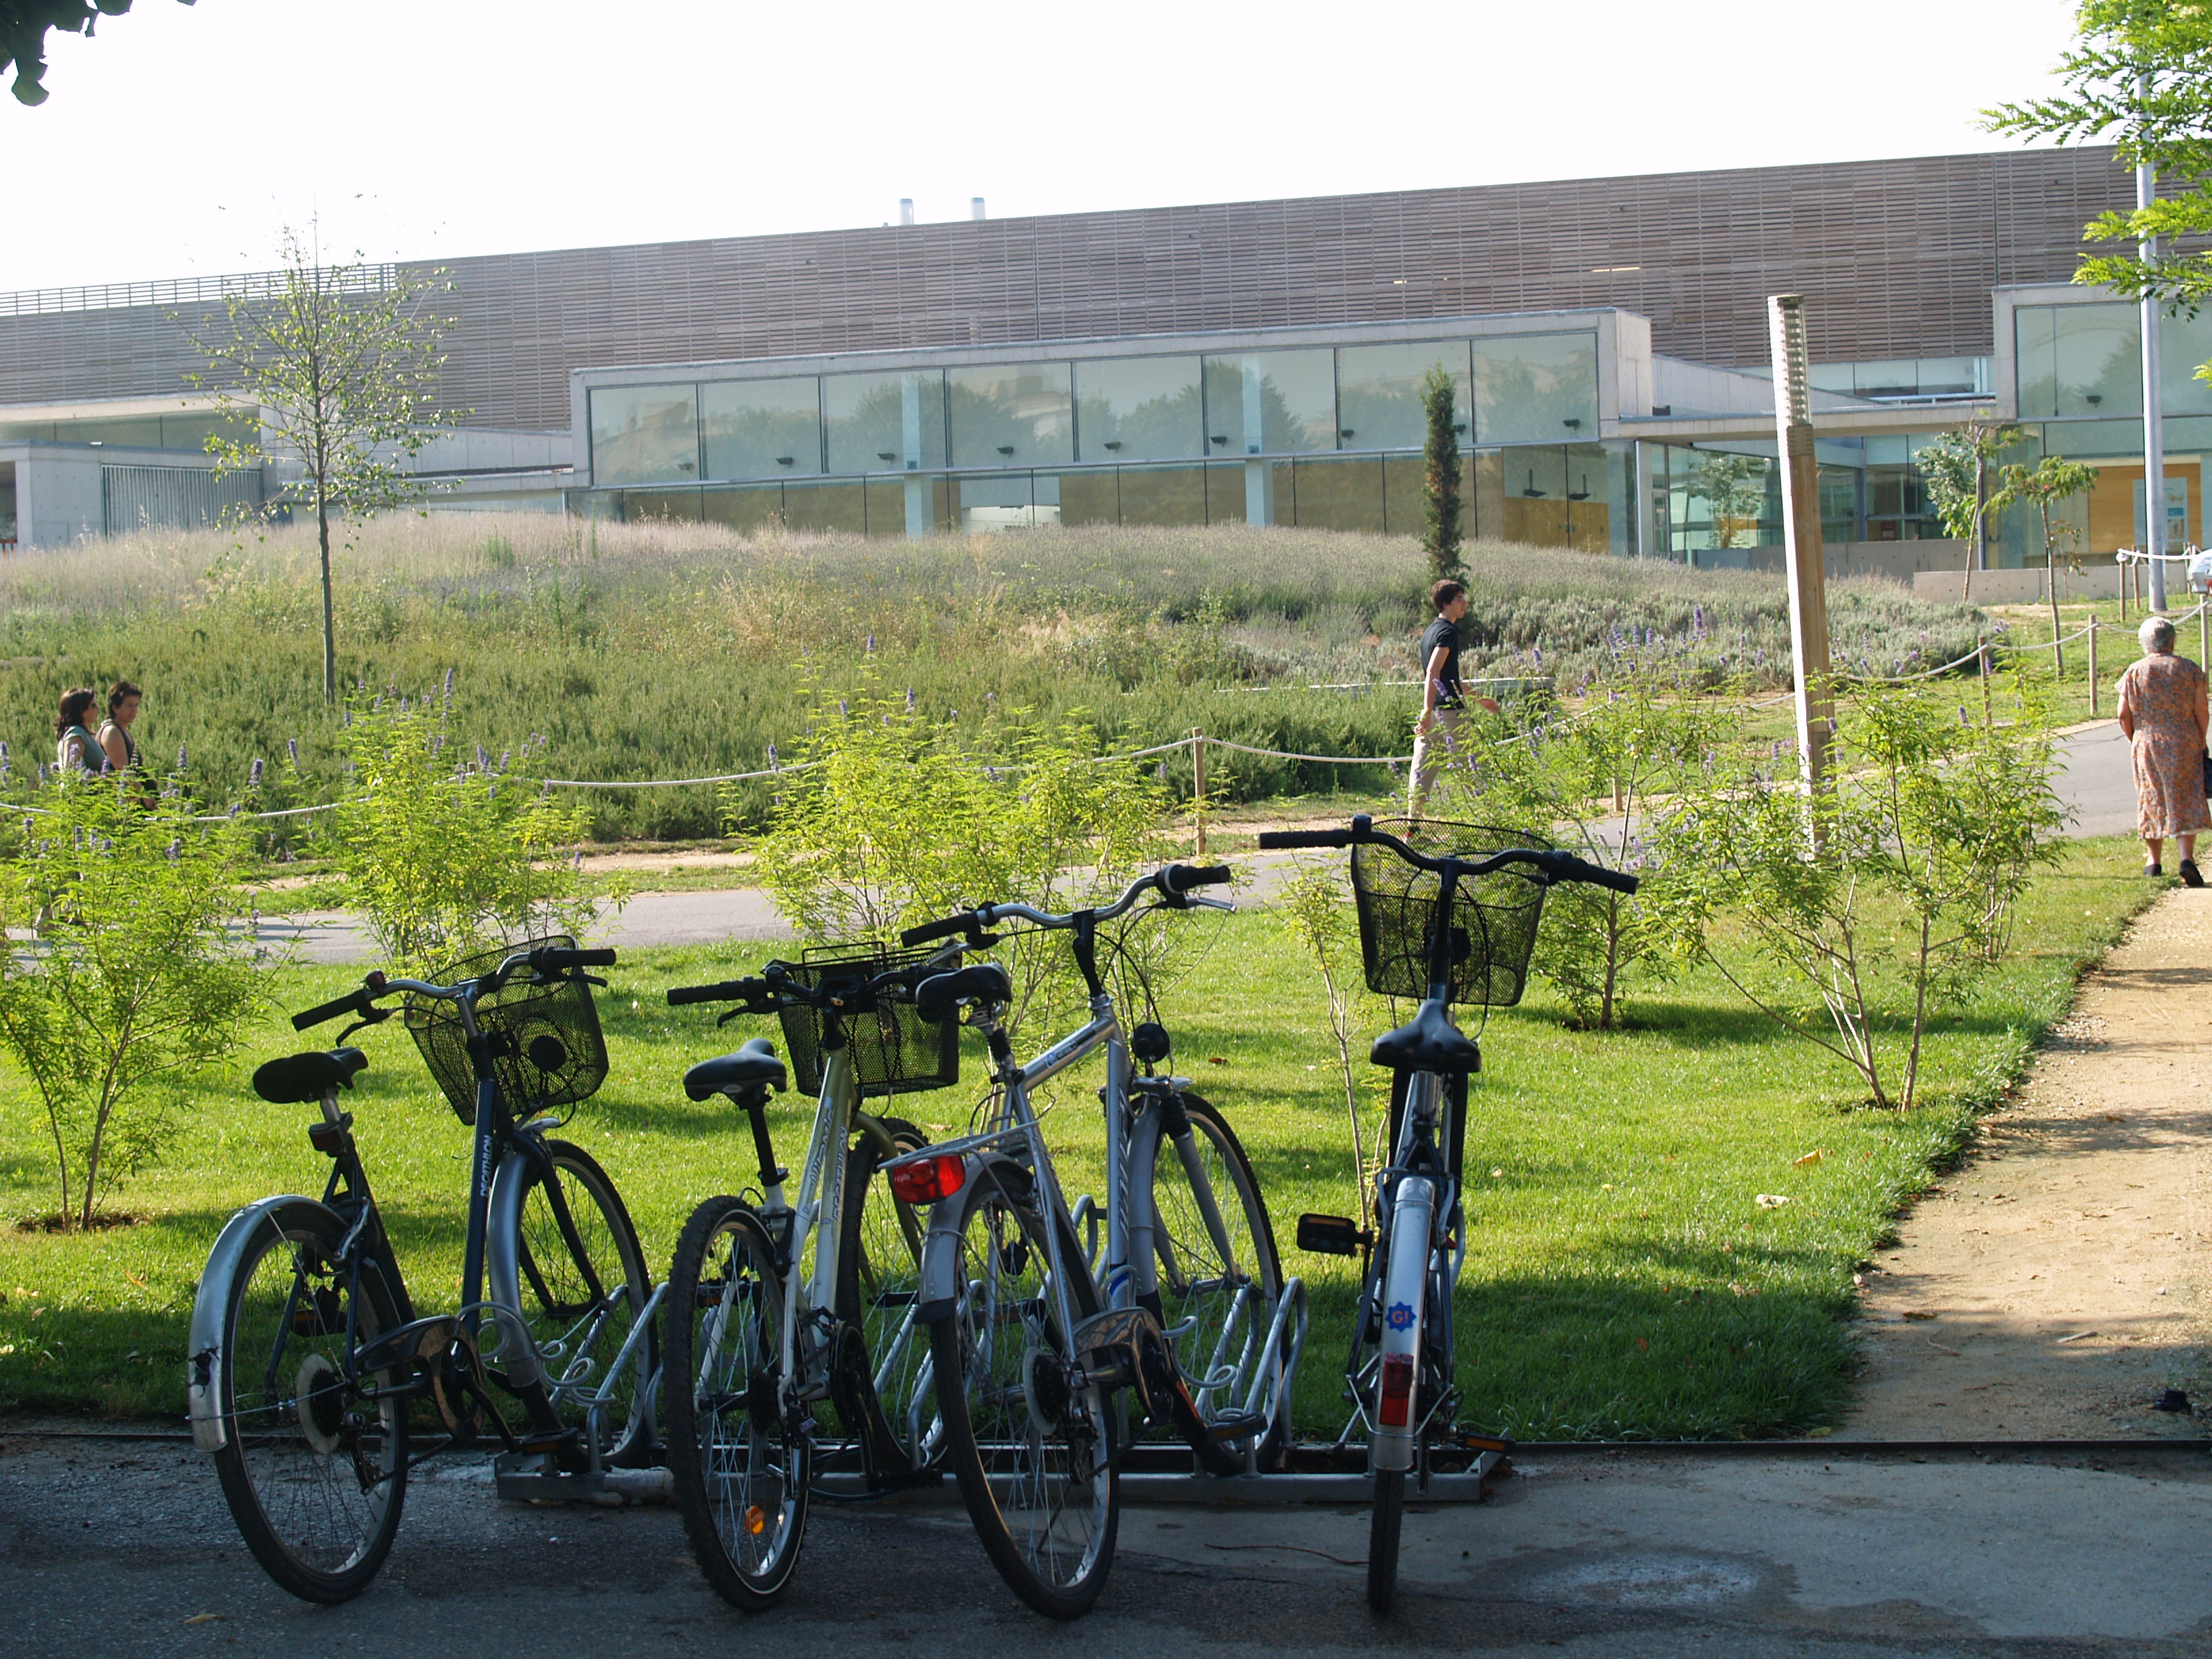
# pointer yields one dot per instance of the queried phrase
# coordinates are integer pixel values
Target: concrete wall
(1897, 561)
(57, 499)
(2096, 581)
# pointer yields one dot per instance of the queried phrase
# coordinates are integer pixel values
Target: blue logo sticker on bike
(1401, 1316)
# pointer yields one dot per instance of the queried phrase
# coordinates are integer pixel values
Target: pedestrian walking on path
(115, 739)
(76, 749)
(1443, 700)
(2162, 713)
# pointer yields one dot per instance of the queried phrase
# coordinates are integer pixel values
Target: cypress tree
(1440, 533)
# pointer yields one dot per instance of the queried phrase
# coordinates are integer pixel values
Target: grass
(683, 651)
(1623, 1282)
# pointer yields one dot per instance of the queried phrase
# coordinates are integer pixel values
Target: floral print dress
(2160, 695)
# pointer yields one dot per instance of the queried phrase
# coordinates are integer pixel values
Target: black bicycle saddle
(980, 982)
(1427, 1042)
(298, 1078)
(753, 1066)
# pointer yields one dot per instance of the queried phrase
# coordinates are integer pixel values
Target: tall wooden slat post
(2092, 666)
(1198, 788)
(1800, 529)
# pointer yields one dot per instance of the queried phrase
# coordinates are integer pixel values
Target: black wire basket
(547, 1048)
(1493, 918)
(895, 1050)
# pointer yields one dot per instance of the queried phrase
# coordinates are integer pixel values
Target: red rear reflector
(1397, 1390)
(927, 1180)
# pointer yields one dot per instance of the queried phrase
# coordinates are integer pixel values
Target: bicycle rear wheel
(740, 1466)
(879, 1274)
(1031, 1443)
(1218, 1312)
(577, 1274)
(315, 1472)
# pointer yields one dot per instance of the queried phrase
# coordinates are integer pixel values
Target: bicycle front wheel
(315, 1467)
(1218, 1306)
(1031, 1440)
(1385, 1522)
(576, 1273)
(740, 1465)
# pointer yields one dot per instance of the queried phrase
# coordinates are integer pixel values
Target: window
(1271, 403)
(884, 422)
(644, 435)
(1378, 393)
(761, 429)
(1140, 408)
(1011, 415)
(1535, 388)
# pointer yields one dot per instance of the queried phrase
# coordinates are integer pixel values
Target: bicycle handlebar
(1172, 882)
(1555, 866)
(359, 1002)
(729, 990)
(545, 960)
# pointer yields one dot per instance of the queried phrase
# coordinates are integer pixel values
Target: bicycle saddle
(299, 1077)
(751, 1066)
(1427, 1042)
(980, 982)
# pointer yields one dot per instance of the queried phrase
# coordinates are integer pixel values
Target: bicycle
(1187, 1312)
(1457, 927)
(764, 1335)
(308, 1356)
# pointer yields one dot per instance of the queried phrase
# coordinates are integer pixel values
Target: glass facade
(645, 434)
(2084, 362)
(1271, 403)
(1535, 388)
(1140, 408)
(884, 422)
(1011, 415)
(761, 428)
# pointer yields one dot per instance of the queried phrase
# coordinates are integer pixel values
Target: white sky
(179, 140)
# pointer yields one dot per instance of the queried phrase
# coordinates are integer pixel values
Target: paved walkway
(2094, 781)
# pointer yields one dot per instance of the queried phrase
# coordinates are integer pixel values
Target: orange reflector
(1397, 1400)
(755, 1520)
(928, 1177)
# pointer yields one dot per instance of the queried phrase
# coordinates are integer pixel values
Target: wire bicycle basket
(895, 1050)
(547, 1049)
(1494, 919)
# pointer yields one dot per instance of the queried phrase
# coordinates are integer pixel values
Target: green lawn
(1623, 1280)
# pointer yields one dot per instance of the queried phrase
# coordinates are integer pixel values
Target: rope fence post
(2093, 667)
(2203, 634)
(1982, 661)
(1198, 788)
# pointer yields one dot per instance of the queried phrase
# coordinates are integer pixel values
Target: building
(1255, 362)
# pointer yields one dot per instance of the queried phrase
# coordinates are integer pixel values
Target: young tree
(1440, 477)
(1734, 488)
(2053, 479)
(2139, 77)
(136, 980)
(338, 368)
(447, 853)
(1954, 470)
(23, 25)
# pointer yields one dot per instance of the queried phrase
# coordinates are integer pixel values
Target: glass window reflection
(761, 429)
(1271, 403)
(2079, 360)
(1535, 388)
(1140, 408)
(1378, 393)
(644, 433)
(1011, 415)
(884, 422)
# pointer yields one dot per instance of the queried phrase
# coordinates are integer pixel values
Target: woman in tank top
(115, 739)
(75, 747)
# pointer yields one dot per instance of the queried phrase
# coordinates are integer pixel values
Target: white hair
(2156, 635)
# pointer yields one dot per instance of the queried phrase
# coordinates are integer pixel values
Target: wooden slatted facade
(1896, 259)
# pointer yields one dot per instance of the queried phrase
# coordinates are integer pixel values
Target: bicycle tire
(1020, 1458)
(1386, 1521)
(726, 1454)
(580, 1288)
(296, 1463)
(1194, 1286)
(878, 1279)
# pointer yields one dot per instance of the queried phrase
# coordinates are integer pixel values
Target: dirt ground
(2056, 1286)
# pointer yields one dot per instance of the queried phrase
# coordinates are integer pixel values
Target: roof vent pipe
(906, 210)
(975, 207)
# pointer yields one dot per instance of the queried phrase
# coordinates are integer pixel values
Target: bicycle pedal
(1252, 1424)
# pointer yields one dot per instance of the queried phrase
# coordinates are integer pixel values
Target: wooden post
(1198, 786)
(1982, 661)
(1801, 528)
(2092, 666)
(2203, 634)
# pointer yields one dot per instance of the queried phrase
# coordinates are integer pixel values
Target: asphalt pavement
(2094, 782)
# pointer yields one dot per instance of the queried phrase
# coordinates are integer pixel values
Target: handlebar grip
(1181, 878)
(354, 1002)
(551, 959)
(1566, 866)
(730, 990)
(947, 928)
(1272, 839)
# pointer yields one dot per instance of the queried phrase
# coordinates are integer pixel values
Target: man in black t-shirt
(1435, 733)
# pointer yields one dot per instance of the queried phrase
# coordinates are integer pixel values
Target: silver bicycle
(781, 1306)
(1042, 1331)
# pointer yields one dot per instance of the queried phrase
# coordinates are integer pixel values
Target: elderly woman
(2162, 714)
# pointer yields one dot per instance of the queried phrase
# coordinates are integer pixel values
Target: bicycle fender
(513, 1350)
(940, 1247)
(203, 1346)
(1405, 1296)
